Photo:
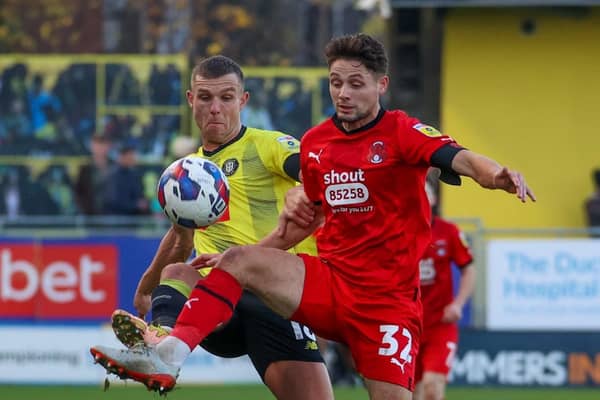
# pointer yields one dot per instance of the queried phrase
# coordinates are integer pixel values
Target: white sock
(173, 351)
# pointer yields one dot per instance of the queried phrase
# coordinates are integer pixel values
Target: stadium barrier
(51, 354)
(60, 278)
(527, 358)
(56, 297)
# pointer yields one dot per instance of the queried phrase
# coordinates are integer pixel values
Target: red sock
(211, 303)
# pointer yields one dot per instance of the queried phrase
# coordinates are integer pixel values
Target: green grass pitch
(257, 392)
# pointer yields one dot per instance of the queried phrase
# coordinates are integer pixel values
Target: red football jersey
(447, 246)
(370, 183)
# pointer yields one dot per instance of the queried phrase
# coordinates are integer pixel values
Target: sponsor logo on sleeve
(427, 130)
(289, 142)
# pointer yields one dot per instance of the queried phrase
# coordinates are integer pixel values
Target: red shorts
(438, 346)
(382, 335)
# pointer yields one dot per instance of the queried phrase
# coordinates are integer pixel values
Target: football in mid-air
(193, 192)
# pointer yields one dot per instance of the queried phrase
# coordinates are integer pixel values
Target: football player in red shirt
(364, 176)
(441, 310)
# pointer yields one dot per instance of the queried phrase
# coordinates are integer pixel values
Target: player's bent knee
(181, 272)
(237, 261)
(232, 258)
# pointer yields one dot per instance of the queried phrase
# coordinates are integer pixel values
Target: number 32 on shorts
(391, 347)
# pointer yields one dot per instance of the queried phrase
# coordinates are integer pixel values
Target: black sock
(167, 302)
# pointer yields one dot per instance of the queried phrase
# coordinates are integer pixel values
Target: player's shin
(210, 304)
(167, 303)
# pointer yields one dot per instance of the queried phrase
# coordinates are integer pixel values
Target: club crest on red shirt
(376, 152)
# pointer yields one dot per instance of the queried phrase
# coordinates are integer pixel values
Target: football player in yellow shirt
(260, 166)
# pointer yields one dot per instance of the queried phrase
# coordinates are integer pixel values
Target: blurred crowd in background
(37, 119)
(52, 123)
(60, 125)
(63, 95)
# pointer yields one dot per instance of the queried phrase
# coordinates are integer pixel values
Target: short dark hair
(359, 46)
(217, 66)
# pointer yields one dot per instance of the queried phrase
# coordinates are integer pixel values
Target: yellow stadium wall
(531, 102)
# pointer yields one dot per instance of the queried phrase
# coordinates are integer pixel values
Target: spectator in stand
(59, 187)
(291, 105)
(125, 189)
(14, 124)
(256, 113)
(93, 178)
(30, 188)
(41, 102)
(13, 85)
(592, 205)
(10, 194)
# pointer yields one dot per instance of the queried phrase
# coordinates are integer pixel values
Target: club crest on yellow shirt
(230, 166)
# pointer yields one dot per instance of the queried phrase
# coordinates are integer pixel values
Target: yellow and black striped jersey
(253, 163)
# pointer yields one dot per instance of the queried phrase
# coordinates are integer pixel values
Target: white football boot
(140, 363)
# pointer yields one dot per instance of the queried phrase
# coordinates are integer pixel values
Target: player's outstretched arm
(491, 175)
(175, 246)
(292, 233)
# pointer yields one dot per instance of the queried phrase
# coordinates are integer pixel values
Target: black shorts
(266, 337)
